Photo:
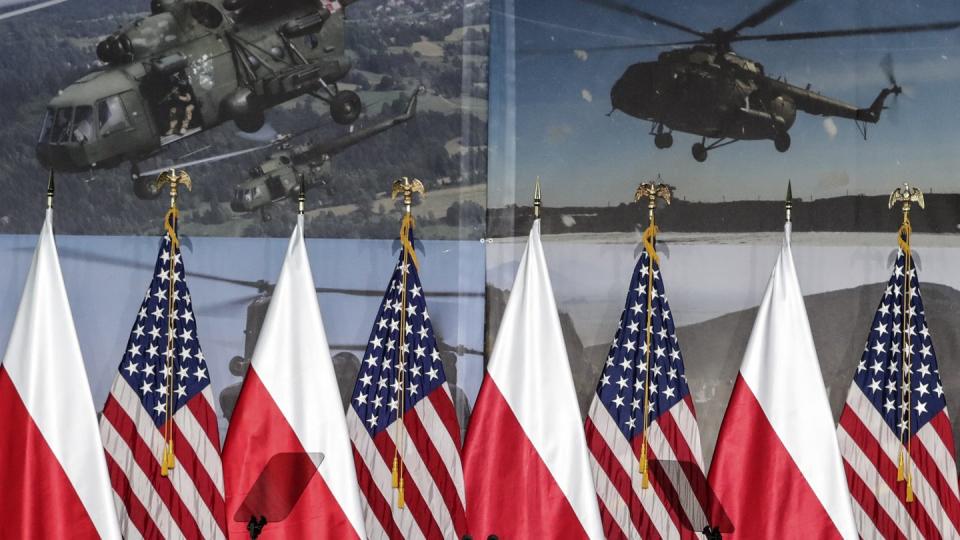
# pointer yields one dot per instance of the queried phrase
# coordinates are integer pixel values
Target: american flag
(672, 506)
(424, 448)
(160, 378)
(896, 409)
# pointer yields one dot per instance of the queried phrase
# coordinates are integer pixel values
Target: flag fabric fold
(159, 423)
(410, 471)
(525, 442)
(894, 433)
(53, 478)
(290, 405)
(776, 469)
(644, 371)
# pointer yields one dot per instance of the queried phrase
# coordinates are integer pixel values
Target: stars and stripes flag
(410, 471)
(159, 425)
(894, 432)
(645, 355)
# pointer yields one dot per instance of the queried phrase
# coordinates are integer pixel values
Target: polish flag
(53, 476)
(290, 407)
(777, 470)
(526, 463)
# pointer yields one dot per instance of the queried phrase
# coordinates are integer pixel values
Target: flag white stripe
(865, 526)
(128, 530)
(382, 478)
(940, 454)
(690, 430)
(179, 478)
(689, 504)
(622, 450)
(923, 492)
(142, 488)
(444, 443)
(610, 498)
(864, 467)
(197, 438)
(420, 475)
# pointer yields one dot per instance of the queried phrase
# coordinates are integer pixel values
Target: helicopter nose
(61, 157)
(633, 88)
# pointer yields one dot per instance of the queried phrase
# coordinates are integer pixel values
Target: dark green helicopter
(190, 66)
(707, 89)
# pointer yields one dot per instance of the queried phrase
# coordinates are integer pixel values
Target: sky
(550, 97)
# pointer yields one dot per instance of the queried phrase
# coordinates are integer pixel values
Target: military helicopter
(190, 66)
(280, 176)
(707, 89)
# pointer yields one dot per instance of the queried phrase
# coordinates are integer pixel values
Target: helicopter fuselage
(181, 71)
(723, 96)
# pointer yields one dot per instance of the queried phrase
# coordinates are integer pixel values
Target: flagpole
(905, 196)
(651, 192)
(175, 179)
(405, 186)
(788, 203)
(537, 202)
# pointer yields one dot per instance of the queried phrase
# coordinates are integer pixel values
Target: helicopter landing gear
(782, 141)
(701, 148)
(699, 152)
(345, 107)
(663, 140)
(144, 187)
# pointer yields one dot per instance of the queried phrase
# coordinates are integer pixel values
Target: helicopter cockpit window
(83, 128)
(45, 127)
(60, 131)
(112, 115)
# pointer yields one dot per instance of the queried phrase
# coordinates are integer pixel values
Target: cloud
(586, 95)
(833, 180)
(830, 127)
(581, 55)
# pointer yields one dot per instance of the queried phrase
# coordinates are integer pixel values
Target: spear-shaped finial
(536, 200)
(50, 190)
(788, 204)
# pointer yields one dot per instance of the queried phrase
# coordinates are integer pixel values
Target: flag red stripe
(150, 465)
(867, 500)
(378, 505)
(611, 529)
(941, 488)
(685, 457)
(887, 470)
(206, 488)
(207, 418)
(443, 404)
(135, 510)
(35, 493)
(413, 500)
(941, 425)
(621, 480)
(438, 469)
(750, 458)
(666, 491)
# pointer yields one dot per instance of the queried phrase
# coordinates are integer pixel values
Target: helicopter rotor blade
(614, 5)
(761, 15)
(209, 159)
(886, 64)
(29, 9)
(613, 48)
(876, 30)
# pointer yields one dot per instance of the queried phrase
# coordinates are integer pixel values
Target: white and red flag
(290, 406)
(159, 424)
(894, 432)
(776, 470)
(405, 433)
(526, 462)
(642, 430)
(53, 478)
